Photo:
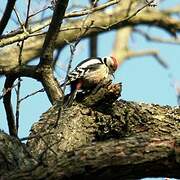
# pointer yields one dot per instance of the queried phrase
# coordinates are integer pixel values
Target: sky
(143, 79)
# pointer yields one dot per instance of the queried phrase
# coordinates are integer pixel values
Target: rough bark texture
(105, 140)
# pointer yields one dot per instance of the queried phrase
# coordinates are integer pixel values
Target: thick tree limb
(123, 139)
(147, 157)
(50, 84)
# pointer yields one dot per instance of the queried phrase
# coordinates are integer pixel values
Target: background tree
(33, 49)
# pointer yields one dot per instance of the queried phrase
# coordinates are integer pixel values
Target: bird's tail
(71, 98)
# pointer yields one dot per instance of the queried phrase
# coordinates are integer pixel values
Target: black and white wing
(89, 64)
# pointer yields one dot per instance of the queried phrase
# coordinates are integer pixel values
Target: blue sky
(143, 79)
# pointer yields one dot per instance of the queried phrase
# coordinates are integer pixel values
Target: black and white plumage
(90, 73)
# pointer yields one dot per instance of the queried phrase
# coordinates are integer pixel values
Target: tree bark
(112, 139)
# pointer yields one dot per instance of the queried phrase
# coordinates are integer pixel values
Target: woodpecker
(90, 73)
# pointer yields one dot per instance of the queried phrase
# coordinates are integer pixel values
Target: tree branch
(6, 15)
(93, 39)
(7, 105)
(157, 39)
(48, 80)
(95, 142)
(33, 45)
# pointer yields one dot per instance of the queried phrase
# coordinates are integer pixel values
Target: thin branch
(25, 25)
(18, 103)
(42, 10)
(23, 71)
(25, 35)
(6, 15)
(27, 14)
(32, 94)
(91, 10)
(18, 87)
(133, 14)
(5, 91)
(18, 17)
(157, 39)
(29, 71)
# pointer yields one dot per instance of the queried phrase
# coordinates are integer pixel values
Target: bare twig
(133, 14)
(157, 39)
(73, 49)
(27, 14)
(42, 10)
(32, 94)
(5, 91)
(25, 25)
(18, 88)
(91, 10)
(18, 104)
(18, 17)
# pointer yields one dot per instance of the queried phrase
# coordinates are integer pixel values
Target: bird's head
(111, 62)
